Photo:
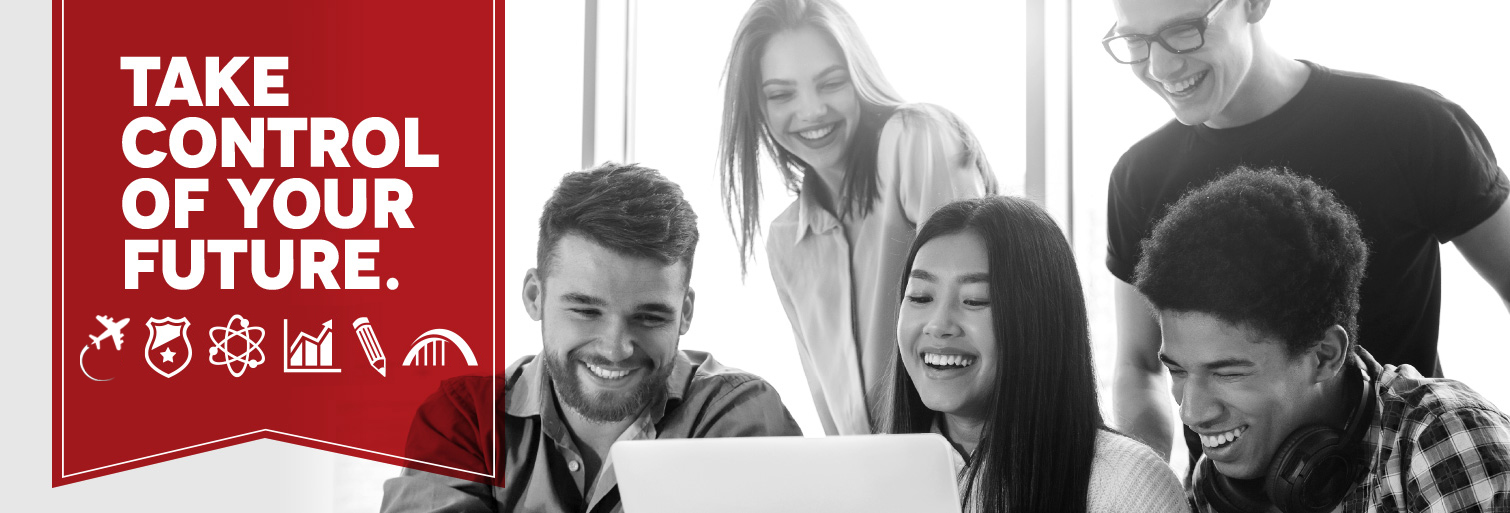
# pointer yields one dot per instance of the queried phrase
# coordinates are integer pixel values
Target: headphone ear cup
(1310, 471)
(1224, 496)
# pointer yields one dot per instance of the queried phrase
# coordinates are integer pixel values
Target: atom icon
(235, 328)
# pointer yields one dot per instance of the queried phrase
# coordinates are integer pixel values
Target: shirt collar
(532, 395)
(523, 397)
(812, 217)
(959, 458)
(1380, 377)
(1370, 445)
(677, 384)
(528, 395)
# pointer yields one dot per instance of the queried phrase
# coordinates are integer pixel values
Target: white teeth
(816, 133)
(605, 373)
(1183, 85)
(1221, 439)
(948, 360)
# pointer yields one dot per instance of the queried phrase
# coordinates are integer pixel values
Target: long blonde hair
(744, 130)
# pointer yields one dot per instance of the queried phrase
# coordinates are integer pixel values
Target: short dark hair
(627, 208)
(1264, 249)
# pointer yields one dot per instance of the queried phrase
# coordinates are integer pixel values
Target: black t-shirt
(1411, 165)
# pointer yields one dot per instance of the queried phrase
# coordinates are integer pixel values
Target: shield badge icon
(168, 350)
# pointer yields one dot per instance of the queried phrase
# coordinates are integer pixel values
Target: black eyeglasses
(1180, 37)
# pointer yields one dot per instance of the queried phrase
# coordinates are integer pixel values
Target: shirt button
(574, 466)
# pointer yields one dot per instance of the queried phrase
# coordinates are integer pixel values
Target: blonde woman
(867, 168)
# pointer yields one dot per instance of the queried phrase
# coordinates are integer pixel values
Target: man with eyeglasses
(1413, 167)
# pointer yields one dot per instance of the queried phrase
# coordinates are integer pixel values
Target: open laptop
(875, 473)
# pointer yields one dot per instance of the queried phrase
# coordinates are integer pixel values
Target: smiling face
(811, 105)
(1200, 86)
(611, 324)
(944, 329)
(1239, 389)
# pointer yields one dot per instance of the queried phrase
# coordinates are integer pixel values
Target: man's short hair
(1263, 249)
(627, 208)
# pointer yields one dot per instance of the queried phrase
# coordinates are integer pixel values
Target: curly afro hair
(1264, 249)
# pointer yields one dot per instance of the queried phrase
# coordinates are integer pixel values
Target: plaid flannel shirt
(1436, 445)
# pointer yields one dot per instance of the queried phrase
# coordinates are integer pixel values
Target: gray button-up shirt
(542, 469)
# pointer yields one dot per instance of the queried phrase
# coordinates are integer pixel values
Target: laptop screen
(874, 473)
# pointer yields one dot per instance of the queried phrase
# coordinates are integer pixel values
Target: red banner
(271, 220)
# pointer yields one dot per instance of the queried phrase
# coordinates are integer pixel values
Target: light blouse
(840, 280)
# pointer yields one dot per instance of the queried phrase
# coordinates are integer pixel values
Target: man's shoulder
(475, 392)
(516, 369)
(1442, 443)
(1352, 83)
(1420, 412)
(1373, 96)
(471, 386)
(712, 378)
(1421, 398)
(1161, 142)
(720, 401)
(1170, 132)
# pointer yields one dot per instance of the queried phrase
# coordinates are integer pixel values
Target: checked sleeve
(1461, 463)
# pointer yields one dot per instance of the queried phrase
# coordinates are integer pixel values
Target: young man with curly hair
(1254, 279)
(1413, 166)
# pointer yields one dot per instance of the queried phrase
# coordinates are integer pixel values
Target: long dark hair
(1037, 444)
(744, 131)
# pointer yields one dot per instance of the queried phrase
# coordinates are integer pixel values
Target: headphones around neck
(1311, 472)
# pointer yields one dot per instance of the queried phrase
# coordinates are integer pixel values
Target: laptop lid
(874, 473)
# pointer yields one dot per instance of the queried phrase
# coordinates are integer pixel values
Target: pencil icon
(370, 345)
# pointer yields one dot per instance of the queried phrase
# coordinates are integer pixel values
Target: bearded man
(612, 293)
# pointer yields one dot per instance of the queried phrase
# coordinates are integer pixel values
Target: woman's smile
(811, 106)
(944, 327)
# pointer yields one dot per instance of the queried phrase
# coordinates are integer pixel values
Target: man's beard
(602, 407)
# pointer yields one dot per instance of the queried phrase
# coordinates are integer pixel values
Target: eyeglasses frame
(1201, 24)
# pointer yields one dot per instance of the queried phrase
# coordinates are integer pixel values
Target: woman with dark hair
(994, 354)
(801, 83)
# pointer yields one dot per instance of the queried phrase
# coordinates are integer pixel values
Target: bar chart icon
(309, 353)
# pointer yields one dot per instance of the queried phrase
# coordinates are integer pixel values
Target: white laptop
(874, 473)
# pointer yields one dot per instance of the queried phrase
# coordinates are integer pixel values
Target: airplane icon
(112, 330)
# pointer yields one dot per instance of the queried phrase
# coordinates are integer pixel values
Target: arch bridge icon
(429, 349)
